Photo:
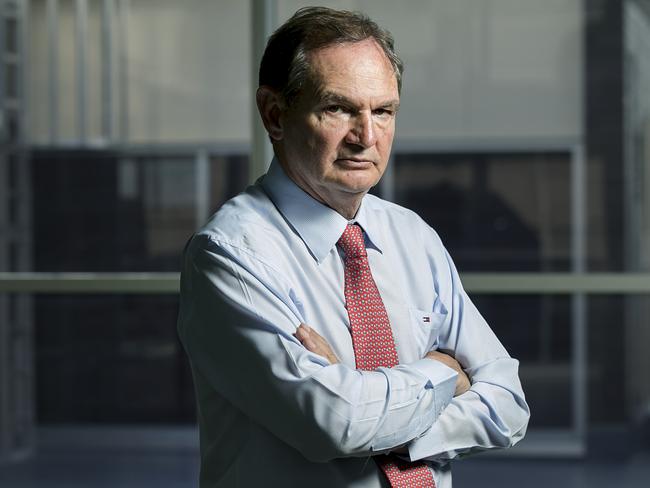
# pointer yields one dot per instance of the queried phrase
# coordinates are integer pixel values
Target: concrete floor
(69, 458)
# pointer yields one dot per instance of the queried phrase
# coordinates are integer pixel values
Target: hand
(462, 382)
(313, 341)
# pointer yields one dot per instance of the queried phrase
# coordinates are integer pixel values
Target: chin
(358, 186)
(359, 179)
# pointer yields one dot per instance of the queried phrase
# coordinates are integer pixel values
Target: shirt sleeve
(236, 322)
(493, 413)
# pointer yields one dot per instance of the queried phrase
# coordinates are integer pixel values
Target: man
(331, 341)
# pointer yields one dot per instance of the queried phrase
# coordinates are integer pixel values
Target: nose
(362, 131)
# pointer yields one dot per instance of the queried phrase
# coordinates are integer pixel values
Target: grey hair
(285, 64)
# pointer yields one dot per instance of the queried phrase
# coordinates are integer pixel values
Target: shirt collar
(319, 226)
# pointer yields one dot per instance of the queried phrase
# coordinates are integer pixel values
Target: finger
(311, 345)
(317, 337)
(300, 334)
(303, 335)
(315, 343)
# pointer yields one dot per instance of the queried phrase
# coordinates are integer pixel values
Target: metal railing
(484, 283)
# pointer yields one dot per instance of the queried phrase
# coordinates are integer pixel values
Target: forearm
(328, 411)
(492, 414)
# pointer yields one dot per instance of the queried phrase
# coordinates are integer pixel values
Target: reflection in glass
(493, 211)
(101, 211)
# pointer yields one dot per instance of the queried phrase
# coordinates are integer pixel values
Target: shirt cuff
(442, 379)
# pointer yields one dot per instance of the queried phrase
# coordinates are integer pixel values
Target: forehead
(358, 68)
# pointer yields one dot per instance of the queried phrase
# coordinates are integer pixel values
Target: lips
(355, 162)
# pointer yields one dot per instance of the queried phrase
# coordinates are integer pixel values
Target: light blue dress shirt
(271, 413)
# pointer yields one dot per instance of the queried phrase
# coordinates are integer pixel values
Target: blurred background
(523, 138)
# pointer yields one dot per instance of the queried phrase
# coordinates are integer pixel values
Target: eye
(334, 109)
(382, 112)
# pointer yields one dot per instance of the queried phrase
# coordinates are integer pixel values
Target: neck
(346, 204)
(347, 211)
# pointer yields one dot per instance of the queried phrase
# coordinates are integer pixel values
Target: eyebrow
(329, 97)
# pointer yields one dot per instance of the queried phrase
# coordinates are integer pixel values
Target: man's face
(337, 136)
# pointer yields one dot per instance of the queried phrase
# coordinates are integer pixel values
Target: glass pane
(102, 211)
(493, 211)
(180, 71)
(536, 330)
(110, 359)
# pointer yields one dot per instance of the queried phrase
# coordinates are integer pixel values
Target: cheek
(327, 138)
(385, 140)
(388, 131)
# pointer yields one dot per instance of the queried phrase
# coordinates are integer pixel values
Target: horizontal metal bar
(89, 282)
(488, 145)
(483, 283)
(175, 149)
(561, 283)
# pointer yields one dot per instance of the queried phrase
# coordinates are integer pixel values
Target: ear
(270, 104)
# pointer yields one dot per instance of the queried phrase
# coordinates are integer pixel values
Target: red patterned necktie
(374, 347)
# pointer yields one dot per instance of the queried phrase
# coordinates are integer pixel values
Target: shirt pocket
(426, 327)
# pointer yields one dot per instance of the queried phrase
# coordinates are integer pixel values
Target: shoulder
(240, 224)
(248, 227)
(400, 219)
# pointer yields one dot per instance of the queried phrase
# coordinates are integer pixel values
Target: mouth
(355, 163)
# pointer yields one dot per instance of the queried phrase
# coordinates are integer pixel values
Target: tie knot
(352, 242)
